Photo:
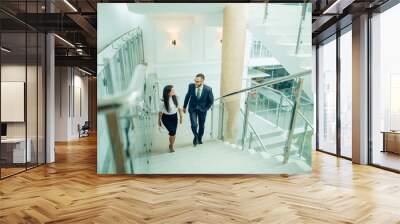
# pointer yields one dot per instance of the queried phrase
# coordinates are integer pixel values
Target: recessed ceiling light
(5, 50)
(64, 40)
(70, 5)
(84, 71)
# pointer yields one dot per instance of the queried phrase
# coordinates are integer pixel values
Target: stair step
(301, 55)
(217, 157)
(271, 134)
(273, 152)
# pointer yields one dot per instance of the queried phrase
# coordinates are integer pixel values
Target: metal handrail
(254, 131)
(126, 98)
(271, 82)
(303, 15)
(291, 104)
(117, 38)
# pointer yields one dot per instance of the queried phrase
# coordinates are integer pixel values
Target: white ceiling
(180, 8)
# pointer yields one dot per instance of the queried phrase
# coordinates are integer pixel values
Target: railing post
(303, 13)
(221, 121)
(212, 121)
(246, 119)
(250, 139)
(303, 140)
(256, 106)
(116, 144)
(296, 106)
(278, 111)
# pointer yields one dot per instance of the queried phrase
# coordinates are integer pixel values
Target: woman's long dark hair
(166, 91)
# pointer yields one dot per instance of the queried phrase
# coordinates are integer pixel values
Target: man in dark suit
(200, 99)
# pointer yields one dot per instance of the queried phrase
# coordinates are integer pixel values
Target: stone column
(360, 90)
(50, 92)
(233, 57)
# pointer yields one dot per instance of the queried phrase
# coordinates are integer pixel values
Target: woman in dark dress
(168, 114)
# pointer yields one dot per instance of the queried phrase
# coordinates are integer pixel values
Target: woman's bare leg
(171, 143)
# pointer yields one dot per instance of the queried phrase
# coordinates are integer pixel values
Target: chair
(84, 130)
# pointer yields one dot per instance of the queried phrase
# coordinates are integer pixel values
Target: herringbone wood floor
(70, 191)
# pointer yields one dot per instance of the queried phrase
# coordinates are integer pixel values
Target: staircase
(217, 157)
(282, 31)
(273, 137)
(128, 106)
(220, 157)
(279, 32)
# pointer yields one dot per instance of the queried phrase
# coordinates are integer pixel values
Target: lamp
(220, 35)
(173, 35)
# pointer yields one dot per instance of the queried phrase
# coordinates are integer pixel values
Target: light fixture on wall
(5, 50)
(173, 42)
(173, 34)
(220, 34)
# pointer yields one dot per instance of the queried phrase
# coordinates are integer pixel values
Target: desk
(13, 150)
(391, 141)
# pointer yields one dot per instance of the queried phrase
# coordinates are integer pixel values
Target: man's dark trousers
(197, 107)
(198, 118)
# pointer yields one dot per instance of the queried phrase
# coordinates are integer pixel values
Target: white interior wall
(119, 18)
(12, 73)
(198, 50)
(67, 120)
(61, 104)
(33, 127)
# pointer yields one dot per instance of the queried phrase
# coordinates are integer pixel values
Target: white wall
(198, 50)
(33, 126)
(68, 82)
(198, 37)
(198, 46)
(61, 103)
(12, 73)
(113, 21)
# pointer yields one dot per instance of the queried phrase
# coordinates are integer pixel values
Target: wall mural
(205, 89)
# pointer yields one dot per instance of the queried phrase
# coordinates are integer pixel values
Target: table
(13, 150)
(391, 141)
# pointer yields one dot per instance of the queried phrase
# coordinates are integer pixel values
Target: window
(327, 96)
(346, 93)
(385, 89)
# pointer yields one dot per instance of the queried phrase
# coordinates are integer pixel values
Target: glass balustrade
(235, 120)
(259, 50)
(264, 120)
(128, 105)
(117, 62)
(272, 120)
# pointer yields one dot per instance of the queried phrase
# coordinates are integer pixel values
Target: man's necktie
(198, 93)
